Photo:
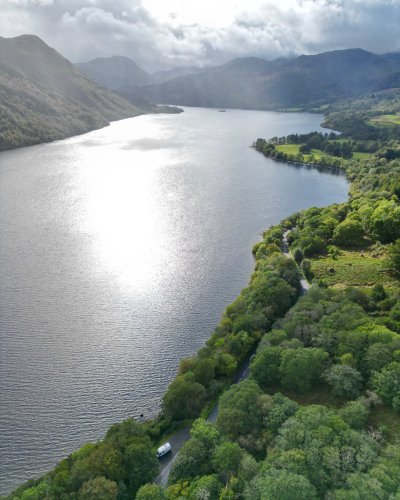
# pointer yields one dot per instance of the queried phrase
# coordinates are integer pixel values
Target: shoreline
(154, 421)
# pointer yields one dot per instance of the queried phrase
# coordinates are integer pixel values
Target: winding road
(179, 438)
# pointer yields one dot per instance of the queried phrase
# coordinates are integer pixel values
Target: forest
(319, 415)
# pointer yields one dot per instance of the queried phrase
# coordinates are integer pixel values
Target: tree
(361, 486)
(193, 460)
(305, 149)
(98, 488)
(142, 465)
(150, 492)
(226, 364)
(265, 366)
(102, 460)
(349, 233)
(331, 448)
(394, 256)
(378, 293)
(204, 371)
(355, 414)
(298, 255)
(183, 399)
(378, 355)
(301, 368)
(238, 410)
(205, 432)
(345, 381)
(205, 488)
(276, 410)
(226, 459)
(387, 385)
(280, 485)
(385, 221)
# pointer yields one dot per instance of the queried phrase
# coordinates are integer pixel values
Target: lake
(119, 251)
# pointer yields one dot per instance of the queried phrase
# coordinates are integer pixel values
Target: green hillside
(43, 97)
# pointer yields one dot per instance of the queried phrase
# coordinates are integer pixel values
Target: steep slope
(43, 97)
(115, 72)
(259, 84)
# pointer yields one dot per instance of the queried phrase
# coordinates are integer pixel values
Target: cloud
(163, 34)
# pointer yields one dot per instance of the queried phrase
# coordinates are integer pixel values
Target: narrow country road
(180, 437)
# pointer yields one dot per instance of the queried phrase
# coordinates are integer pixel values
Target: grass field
(295, 148)
(292, 149)
(317, 396)
(355, 268)
(360, 156)
(386, 120)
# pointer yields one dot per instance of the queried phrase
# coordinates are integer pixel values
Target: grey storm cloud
(84, 29)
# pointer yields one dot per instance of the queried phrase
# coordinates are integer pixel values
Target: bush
(387, 385)
(265, 366)
(345, 381)
(298, 255)
(355, 414)
(394, 256)
(349, 233)
(301, 368)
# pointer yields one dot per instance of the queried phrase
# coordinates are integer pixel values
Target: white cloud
(159, 33)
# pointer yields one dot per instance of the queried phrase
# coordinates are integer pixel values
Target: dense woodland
(319, 416)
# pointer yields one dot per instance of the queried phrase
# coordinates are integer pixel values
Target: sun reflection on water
(123, 214)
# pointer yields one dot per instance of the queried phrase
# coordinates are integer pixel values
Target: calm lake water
(119, 251)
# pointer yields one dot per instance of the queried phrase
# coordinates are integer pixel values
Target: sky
(160, 34)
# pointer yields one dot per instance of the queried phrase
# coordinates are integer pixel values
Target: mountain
(303, 82)
(43, 97)
(164, 76)
(133, 95)
(120, 72)
(115, 72)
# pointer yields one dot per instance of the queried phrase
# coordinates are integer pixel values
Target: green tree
(345, 381)
(142, 465)
(102, 460)
(183, 399)
(349, 233)
(265, 366)
(378, 355)
(204, 371)
(394, 256)
(298, 255)
(238, 410)
(301, 368)
(331, 448)
(276, 410)
(385, 221)
(98, 488)
(387, 385)
(150, 492)
(226, 459)
(206, 487)
(280, 485)
(205, 432)
(355, 414)
(193, 460)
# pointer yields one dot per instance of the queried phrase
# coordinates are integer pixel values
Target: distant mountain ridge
(306, 81)
(43, 97)
(117, 72)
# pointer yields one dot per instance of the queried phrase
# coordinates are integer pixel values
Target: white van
(163, 450)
